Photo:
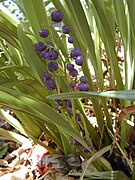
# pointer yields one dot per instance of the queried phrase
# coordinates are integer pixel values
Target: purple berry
(49, 43)
(70, 39)
(52, 66)
(75, 142)
(83, 87)
(72, 85)
(78, 117)
(39, 46)
(70, 67)
(75, 52)
(58, 110)
(84, 137)
(50, 84)
(46, 76)
(43, 55)
(86, 150)
(57, 16)
(58, 101)
(52, 55)
(79, 60)
(68, 103)
(73, 73)
(66, 29)
(43, 33)
(84, 79)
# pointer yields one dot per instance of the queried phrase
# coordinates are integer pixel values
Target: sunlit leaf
(130, 95)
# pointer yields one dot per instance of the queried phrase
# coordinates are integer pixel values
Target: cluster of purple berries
(47, 52)
(82, 85)
(65, 105)
(57, 17)
(49, 81)
(77, 55)
(76, 143)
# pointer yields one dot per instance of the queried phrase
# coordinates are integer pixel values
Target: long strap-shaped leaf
(34, 62)
(108, 41)
(84, 45)
(129, 94)
(38, 109)
(36, 15)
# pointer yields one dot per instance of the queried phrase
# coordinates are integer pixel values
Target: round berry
(75, 142)
(68, 103)
(49, 43)
(79, 60)
(58, 101)
(78, 117)
(70, 39)
(66, 29)
(39, 46)
(52, 55)
(57, 16)
(86, 150)
(46, 76)
(43, 33)
(75, 52)
(43, 55)
(83, 87)
(84, 137)
(73, 73)
(84, 79)
(50, 84)
(72, 85)
(70, 67)
(52, 66)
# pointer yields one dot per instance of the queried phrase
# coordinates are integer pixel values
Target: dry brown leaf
(125, 111)
(3, 163)
(17, 175)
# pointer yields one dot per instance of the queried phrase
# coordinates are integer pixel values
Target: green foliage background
(93, 25)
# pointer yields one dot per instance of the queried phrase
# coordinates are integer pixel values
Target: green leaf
(34, 107)
(95, 157)
(3, 150)
(121, 19)
(36, 65)
(13, 136)
(36, 15)
(8, 29)
(109, 41)
(123, 94)
(12, 121)
(114, 175)
(30, 125)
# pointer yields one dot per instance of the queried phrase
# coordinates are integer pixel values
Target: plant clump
(51, 56)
